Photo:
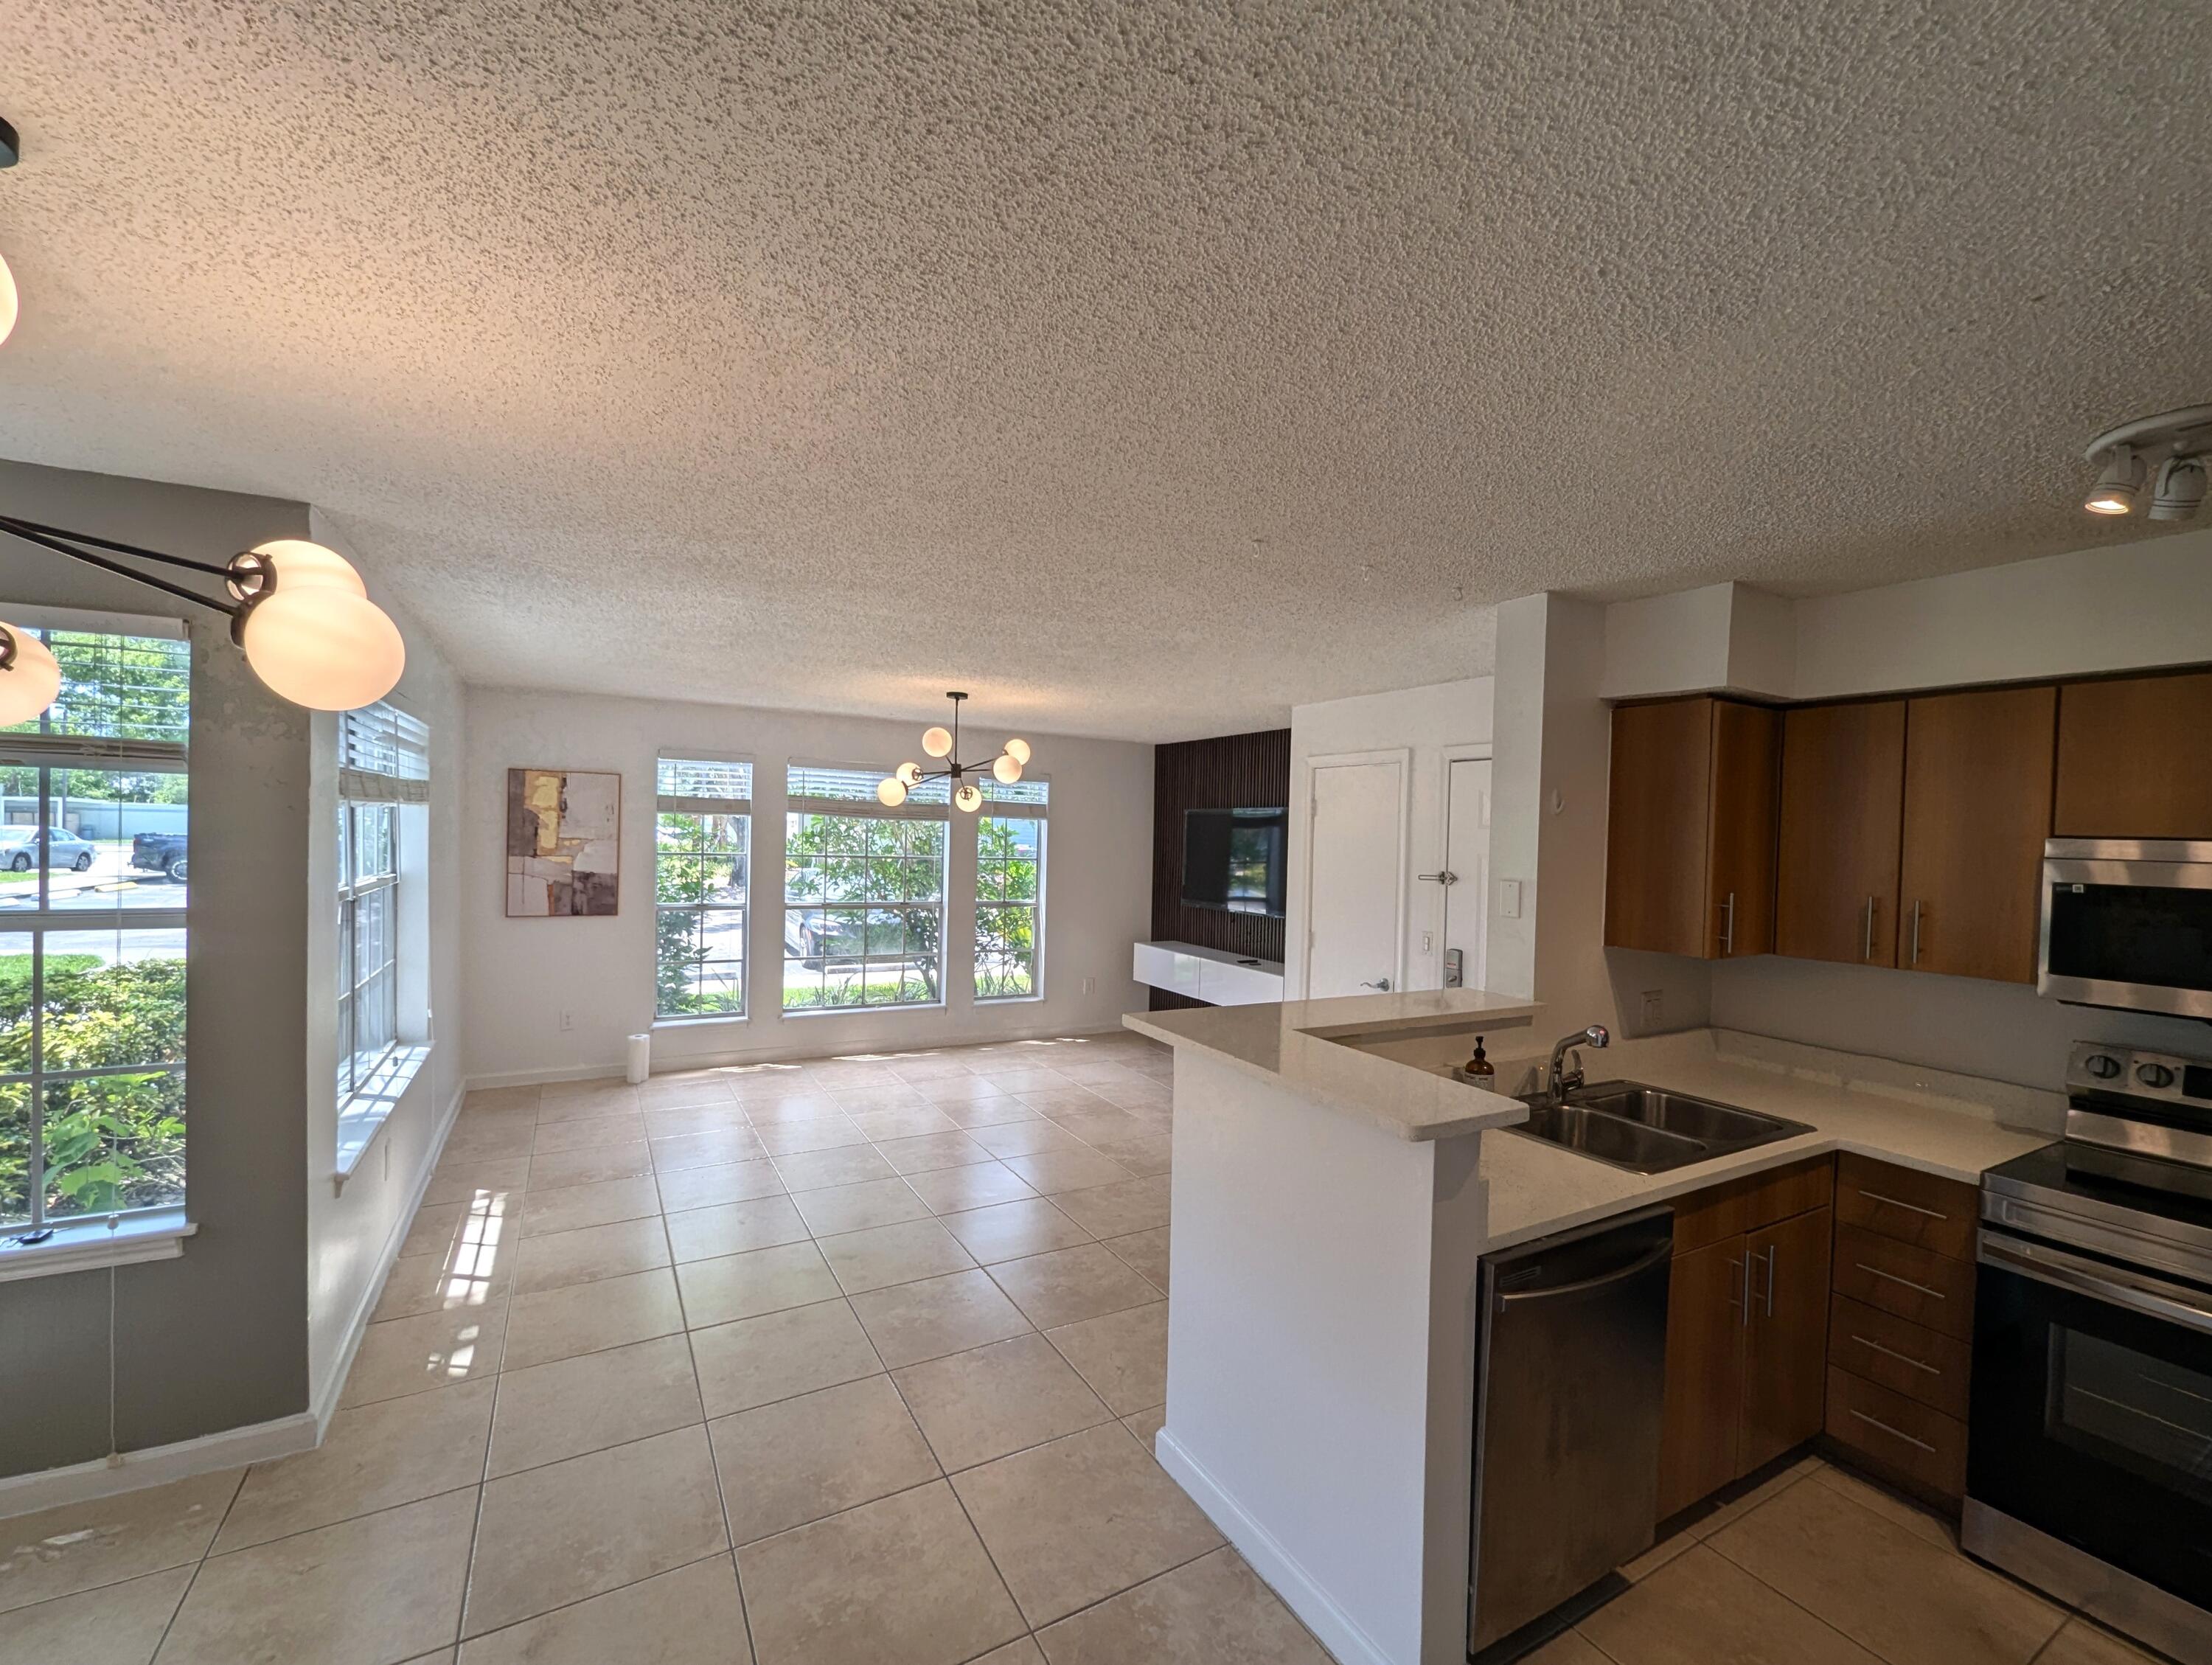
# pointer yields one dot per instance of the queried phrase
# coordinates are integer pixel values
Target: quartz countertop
(1290, 1043)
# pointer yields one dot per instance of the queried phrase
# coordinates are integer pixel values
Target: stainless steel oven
(2128, 923)
(2089, 1450)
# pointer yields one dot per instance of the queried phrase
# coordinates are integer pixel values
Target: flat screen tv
(1234, 860)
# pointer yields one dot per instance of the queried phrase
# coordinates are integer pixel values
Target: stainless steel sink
(1648, 1130)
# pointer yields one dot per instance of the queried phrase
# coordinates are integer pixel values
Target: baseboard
(325, 1400)
(1277, 1567)
(157, 1465)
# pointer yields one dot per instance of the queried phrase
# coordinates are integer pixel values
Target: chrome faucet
(1558, 1079)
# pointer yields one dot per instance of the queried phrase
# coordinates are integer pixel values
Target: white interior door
(1466, 858)
(1355, 878)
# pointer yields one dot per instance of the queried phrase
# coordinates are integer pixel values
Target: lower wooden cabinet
(1704, 1375)
(1902, 1439)
(1785, 1338)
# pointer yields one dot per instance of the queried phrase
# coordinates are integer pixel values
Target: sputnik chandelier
(945, 743)
(2180, 443)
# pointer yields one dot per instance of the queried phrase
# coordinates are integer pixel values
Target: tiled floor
(893, 1330)
(1818, 1567)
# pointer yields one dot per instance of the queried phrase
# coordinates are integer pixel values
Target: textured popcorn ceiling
(1142, 368)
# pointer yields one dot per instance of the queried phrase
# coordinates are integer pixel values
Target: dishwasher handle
(1635, 1268)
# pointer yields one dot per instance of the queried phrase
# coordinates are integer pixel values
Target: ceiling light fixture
(11, 150)
(945, 743)
(2180, 438)
(298, 610)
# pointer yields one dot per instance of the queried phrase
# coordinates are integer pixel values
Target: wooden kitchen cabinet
(1785, 1338)
(1689, 831)
(1704, 1375)
(1978, 804)
(2123, 747)
(1843, 808)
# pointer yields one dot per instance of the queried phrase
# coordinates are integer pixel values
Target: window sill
(158, 1234)
(1011, 999)
(860, 1011)
(362, 1116)
(704, 1020)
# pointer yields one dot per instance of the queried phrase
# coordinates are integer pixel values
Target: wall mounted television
(1236, 859)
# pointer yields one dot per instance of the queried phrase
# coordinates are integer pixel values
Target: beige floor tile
(909, 1322)
(1117, 1210)
(2082, 1643)
(1213, 1611)
(117, 1625)
(1021, 1139)
(841, 1164)
(57, 1551)
(977, 1185)
(695, 1118)
(988, 1112)
(580, 1318)
(734, 1286)
(435, 1229)
(466, 1181)
(1765, 1493)
(706, 1187)
(664, 1092)
(587, 1134)
(1023, 1651)
(1149, 1154)
(717, 1149)
(1658, 1555)
(797, 1459)
(821, 1132)
(374, 1457)
(590, 1165)
(1919, 1521)
(961, 1086)
(1145, 1253)
(916, 1068)
(783, 1104)
(1068, 1101)
(692, 1616)
(384, 1587)
(888, 1094)
(472, 1275)
(856, 1207)
(487, 1141)
(910, 1123)
(553, 1535)
(1051, 1172)
(1702, 1610)
(762, 1084)
(1097, 1123)
(757, 1361)
(572, 1207)
(586, 1101)
(1144, 1426)
(1074, 1522)
(550, 1412)
(926, 1151)
(1026, 1080)
(1122, 1355)
(1070, 1285)
(503, 1099)
(732, 1228)
(887, 1254)
(1013, 1230)
(1568, 1648)
(436, 1350)
(588, 1254)
(1899, 1595)
(993, 1401)
(904, 1578)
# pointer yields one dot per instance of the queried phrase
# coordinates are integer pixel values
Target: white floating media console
(1213, 974)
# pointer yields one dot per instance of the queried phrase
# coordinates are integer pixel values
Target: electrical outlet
(1655, 1001)
(1428, 942)
(567, 1020)
(1509, 898)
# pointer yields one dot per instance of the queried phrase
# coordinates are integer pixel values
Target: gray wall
(217, 1338)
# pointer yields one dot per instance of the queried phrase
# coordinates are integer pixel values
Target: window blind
(384, 756)
(828, 789)
(705, 785)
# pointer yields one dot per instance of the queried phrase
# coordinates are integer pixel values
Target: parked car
(802, 941)
(57, 847)
(159, 853)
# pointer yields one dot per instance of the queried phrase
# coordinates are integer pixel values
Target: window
(383, 769)
(863, 892)
(702, 869)
(93, 871)
(1010, 889)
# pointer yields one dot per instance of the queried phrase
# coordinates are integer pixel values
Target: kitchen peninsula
(1333, 1190)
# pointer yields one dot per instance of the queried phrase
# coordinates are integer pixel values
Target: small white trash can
(641, 1058)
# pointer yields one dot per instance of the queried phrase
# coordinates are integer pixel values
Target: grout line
(199, 1566)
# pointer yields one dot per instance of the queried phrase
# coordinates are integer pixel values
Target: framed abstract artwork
(563, 843)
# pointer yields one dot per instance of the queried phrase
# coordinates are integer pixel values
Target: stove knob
(2155, 1075)
(2102, 1065)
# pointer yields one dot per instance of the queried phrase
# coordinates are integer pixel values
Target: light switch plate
(1509, 898)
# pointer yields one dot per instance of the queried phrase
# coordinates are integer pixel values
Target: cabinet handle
(1773, 1252)
(1891, 1277)
(1909, 1208)
(1894, 1433)
(1916, 933)
(1868, 953)
(1901, 1357)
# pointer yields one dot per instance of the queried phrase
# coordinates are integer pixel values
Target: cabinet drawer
(1905, 1280)
(1738, 1205)
(1898, 1434)
(1907, 1205)
(1902, 1357)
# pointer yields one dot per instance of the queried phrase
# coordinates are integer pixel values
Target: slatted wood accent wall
(1235, 771)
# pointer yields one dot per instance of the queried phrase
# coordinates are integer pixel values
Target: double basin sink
(1648, 1130)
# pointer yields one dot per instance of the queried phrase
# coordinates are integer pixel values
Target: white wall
(1435, 723)
(524, 974)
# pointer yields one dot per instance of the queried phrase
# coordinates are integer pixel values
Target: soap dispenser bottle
(1479, 1068)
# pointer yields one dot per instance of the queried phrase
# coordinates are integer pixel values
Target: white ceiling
(1141, 368)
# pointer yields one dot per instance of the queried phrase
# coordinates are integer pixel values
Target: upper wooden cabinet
(2128, 754)
(1842, 806)
(1977, 797)
(1690, 835)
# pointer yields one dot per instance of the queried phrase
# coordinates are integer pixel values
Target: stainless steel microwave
(2128, 923)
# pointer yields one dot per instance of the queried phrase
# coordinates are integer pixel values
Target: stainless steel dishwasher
(1571, 1373)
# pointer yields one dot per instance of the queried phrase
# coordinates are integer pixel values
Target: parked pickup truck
(159, 853)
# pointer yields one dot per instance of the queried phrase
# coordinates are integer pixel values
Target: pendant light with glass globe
(1006, 768)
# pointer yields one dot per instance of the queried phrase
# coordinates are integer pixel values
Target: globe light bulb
(1008, 769)
(2115, 490)
(295, 563)
(909, 776)
(28, 686)
(7, 305)
(323, 646)
(937, 741)
(1018, 749)
(890, 791)
(970, 796)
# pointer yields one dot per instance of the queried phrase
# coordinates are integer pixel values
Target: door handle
(1383, 984)
(1446, 878)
